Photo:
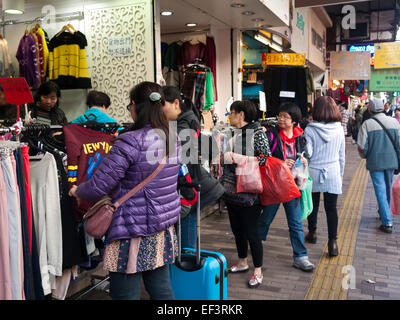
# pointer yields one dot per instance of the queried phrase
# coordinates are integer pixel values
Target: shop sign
(16, 91)
(365, 48)
(387, 55)
(286, 59)
(119, 47)
(350, 65)
(385, 80)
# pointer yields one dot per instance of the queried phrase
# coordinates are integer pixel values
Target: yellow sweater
(67, 61)
(45, 49)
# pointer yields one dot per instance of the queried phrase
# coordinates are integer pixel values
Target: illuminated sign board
(365, 48)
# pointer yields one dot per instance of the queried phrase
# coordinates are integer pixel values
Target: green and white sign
(385, 80)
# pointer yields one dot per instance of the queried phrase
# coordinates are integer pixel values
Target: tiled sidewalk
(377, 255)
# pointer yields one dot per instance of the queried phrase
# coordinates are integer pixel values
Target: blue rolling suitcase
(198, 274)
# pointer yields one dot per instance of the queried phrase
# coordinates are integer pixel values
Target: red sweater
(86, 150)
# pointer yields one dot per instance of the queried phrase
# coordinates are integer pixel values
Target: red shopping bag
(278, 183)
(395, 202)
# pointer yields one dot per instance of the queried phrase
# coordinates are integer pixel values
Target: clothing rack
(78, 15)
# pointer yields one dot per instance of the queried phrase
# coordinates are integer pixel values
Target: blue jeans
(382, 181)
(293, 217)
(127, 286)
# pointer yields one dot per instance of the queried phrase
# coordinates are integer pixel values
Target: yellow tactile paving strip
(327, 280)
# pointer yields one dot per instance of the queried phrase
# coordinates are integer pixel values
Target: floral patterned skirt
(142, 253)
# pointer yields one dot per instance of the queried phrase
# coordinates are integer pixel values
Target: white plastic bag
(300, 173)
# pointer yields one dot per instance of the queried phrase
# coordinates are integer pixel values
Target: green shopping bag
(306, 201)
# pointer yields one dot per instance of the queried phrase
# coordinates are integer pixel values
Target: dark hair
(98, 98)
(149, 111)
(249, 109)
(293, 110)
(47, 88)
(326, 110)
(172, 93)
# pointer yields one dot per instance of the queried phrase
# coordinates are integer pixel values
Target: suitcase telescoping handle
(197, 187)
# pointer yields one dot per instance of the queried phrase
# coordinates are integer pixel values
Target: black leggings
(244, 224)
(330, 204)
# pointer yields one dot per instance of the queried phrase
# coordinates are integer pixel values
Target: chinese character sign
(119, 47)
(286, 59)
(16, 91)
(385, 80)
(387, 55)
(350, 65)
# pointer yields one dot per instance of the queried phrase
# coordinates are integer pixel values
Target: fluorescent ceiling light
(237, 5)
(248, 13)
(191, 24)
(267, 42)
(167, 13)
(13, 6)
(257, 19)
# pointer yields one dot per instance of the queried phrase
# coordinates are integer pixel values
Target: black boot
(311, 237)
(332, 248)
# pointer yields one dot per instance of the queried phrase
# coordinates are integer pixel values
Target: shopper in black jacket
(45, 107)
(187, 117)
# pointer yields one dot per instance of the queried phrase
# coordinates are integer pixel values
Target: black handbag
(228, 181)
(394, 146)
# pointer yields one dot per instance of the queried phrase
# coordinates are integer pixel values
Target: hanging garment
(40, 55)
(86, 150)
(19, 222)
(14, 228)
(68, 65)
(47, 217)
(190, 52)
(74, 250)
(37, 54)
(210, 60)
(29, 288)
(210, 93)
(25, 157)
(43, 35)
(26, 56)
(6, 67)
(5, 281)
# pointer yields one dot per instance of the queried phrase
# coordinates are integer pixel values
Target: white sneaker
(304, 265)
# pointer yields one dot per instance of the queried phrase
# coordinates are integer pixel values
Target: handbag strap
(141, 185)
(391, 139)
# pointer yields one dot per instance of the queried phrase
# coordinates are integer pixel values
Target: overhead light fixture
(237, 5)
(267, 42)
(257, 19)
(191, 24)
(13, 6)
(248, 13)
(167, 13)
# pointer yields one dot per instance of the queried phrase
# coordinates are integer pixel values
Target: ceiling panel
(217, 13)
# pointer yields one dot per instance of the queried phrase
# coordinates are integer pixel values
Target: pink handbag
(98, 218)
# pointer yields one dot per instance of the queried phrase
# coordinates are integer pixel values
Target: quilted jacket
(152, 209)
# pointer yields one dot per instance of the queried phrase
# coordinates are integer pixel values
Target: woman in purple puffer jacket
(141, 240)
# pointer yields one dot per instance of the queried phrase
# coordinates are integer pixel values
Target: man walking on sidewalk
(378, 142)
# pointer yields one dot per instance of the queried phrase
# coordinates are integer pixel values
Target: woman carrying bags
(244, 219)
(326, 148)
(140, 241)
(287, 143)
